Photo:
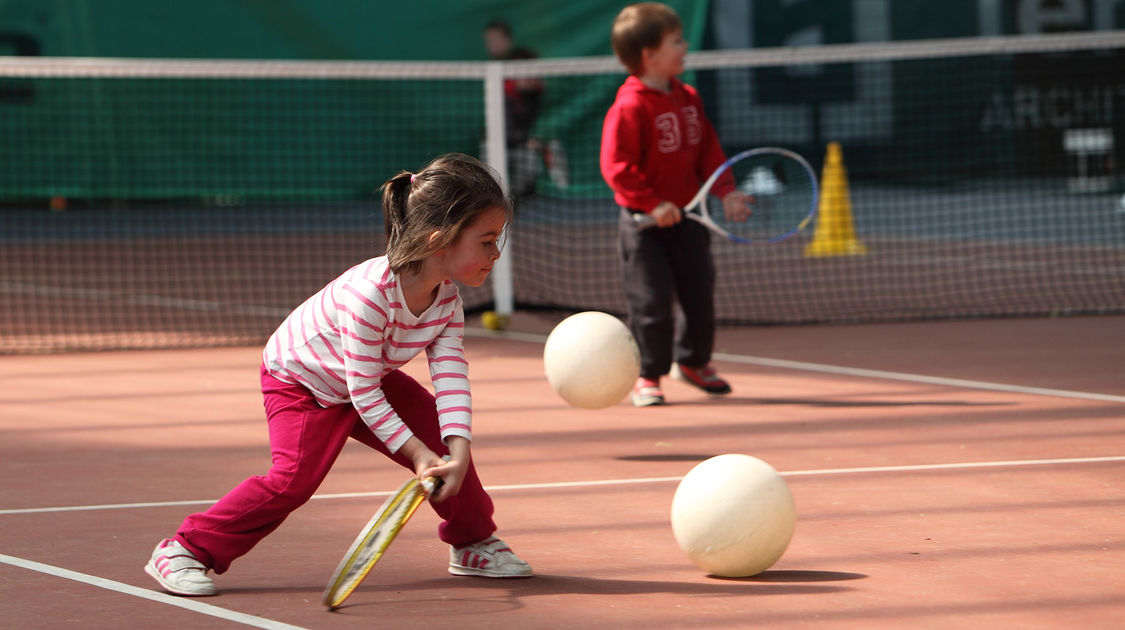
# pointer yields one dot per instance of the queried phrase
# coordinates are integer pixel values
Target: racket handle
(431, 484)
(643, 220)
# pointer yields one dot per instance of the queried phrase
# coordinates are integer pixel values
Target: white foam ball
(733, 515)
(591, 360)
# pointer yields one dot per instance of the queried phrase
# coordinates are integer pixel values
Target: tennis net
(175, 203)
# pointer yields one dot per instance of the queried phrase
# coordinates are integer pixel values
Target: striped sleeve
(363, 318)
(449, 371)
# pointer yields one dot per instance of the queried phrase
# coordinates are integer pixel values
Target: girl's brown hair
(442, 198)
(640, 26)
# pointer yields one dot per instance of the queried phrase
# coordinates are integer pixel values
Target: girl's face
(667, 59)
(470, 258)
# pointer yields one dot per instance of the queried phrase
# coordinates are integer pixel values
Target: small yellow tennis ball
(488, 320)
(494, 321)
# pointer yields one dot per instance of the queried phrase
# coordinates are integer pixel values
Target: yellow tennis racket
(374, 539)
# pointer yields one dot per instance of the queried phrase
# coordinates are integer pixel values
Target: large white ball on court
(591, 360)
(733, 515)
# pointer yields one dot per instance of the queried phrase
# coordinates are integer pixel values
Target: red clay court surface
(947, 475)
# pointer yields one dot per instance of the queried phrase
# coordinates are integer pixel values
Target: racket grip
(643, 220)
(431, 484)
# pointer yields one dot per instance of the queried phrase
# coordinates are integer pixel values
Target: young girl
(331, 371)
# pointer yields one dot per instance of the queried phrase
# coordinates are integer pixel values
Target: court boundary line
(825, 368)
(862, 470)
(917, 378)
(156, 596)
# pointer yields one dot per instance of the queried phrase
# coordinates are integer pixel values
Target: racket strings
(367, 550)
(783, 193)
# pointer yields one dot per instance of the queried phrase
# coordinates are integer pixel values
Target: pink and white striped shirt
(341, 341)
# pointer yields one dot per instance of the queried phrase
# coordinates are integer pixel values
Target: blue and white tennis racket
(784, 190)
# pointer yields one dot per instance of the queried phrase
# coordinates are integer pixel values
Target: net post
(496, 154)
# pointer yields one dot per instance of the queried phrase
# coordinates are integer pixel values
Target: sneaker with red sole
(647, 392)
(705, 378)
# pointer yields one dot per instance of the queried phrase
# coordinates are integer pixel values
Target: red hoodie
(659, 146)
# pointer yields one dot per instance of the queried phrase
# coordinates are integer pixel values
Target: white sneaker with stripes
(490, 557)
(178, 571)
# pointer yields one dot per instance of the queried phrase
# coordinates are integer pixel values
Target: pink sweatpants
(305, 440)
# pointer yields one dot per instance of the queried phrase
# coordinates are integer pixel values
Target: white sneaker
(490, 557)
(178, 571)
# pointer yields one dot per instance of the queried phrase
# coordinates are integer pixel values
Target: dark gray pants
(669, 280)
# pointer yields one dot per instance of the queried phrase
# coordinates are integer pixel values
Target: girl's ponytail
(396, 193)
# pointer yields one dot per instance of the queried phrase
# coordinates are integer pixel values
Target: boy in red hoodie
(657, 149)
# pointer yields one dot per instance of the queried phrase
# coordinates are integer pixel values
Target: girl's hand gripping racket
(374, 539)
(784, 189)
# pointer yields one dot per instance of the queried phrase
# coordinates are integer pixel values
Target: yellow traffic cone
(835, 230)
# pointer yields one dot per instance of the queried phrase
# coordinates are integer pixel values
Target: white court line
(612, 482)
(171, 600)
(916, 378)
(831, 471)
(848, 371)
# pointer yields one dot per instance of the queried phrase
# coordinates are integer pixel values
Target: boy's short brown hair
(640, 26)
